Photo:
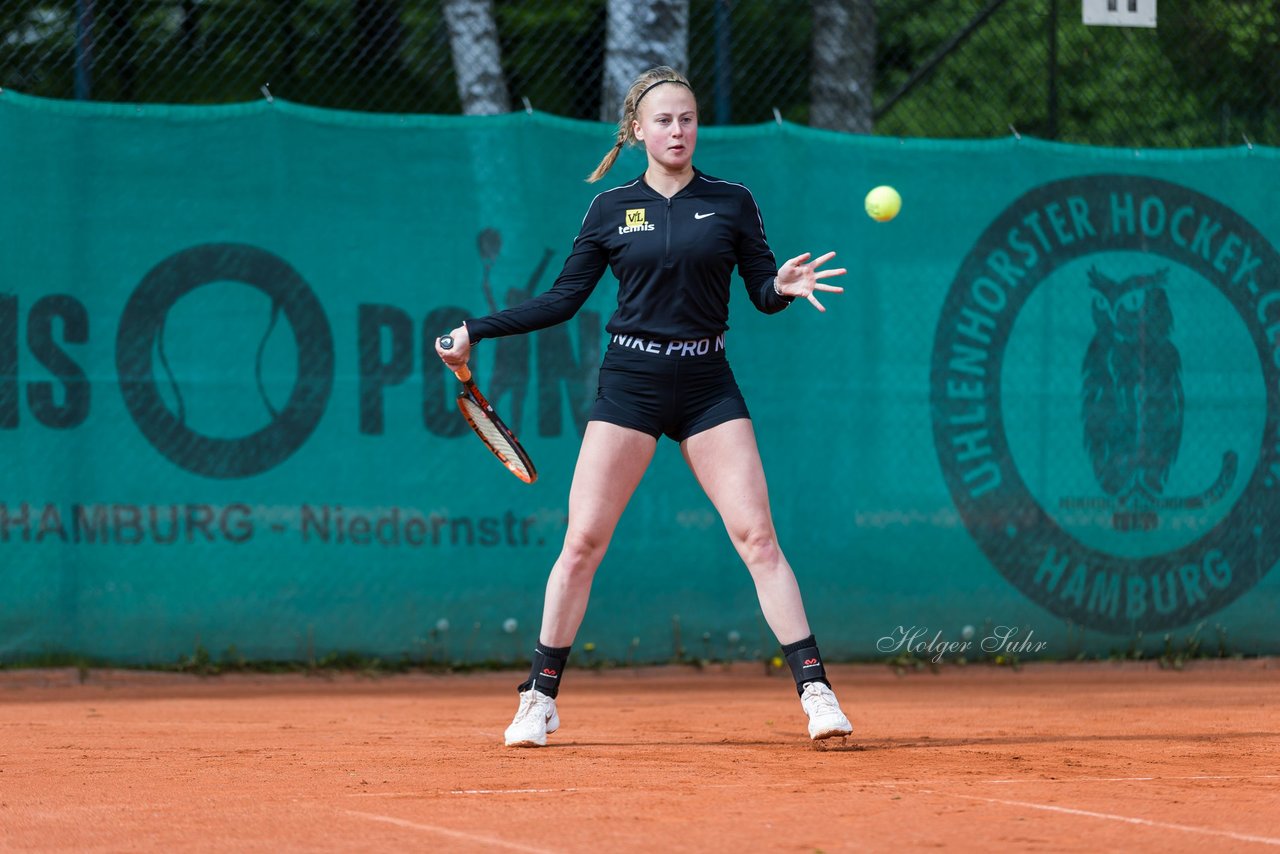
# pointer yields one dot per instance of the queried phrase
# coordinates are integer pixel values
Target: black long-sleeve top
(672, 258)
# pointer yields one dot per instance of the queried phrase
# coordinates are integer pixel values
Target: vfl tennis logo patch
(636, 221)
(1105, 395)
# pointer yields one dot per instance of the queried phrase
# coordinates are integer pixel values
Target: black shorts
(667, 388)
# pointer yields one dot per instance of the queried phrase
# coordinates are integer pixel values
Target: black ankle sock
(805, 662)
(548, 665)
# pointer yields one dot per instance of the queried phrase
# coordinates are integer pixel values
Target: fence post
(724, 63)
(1053, 70)
(84, 50)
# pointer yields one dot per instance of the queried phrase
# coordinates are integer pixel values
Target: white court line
(782, 784)
(1243, 837)
(1081, 780)
(426, 794)
(445, 831)
(1136, 779)
(506, 791)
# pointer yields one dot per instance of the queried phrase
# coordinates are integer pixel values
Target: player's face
(668, 125)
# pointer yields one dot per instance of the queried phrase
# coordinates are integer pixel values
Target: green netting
(1048, 399)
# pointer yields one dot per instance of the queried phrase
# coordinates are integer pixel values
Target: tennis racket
(496, 436)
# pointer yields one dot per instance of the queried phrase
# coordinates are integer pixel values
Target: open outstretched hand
(800, 277)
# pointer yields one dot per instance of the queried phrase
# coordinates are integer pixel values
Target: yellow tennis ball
(883, 203)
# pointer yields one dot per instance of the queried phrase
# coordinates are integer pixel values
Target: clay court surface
(1054, 757)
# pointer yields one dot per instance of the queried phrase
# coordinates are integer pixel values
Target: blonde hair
(626, 136)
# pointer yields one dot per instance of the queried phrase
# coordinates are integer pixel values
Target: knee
(582, 552)
(759, 547)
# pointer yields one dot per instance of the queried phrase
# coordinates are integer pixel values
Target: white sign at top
(1120, 13)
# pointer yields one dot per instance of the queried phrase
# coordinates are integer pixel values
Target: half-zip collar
(686, 189)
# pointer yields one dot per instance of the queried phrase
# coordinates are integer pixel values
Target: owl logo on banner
(1105, 392)
(1132, 401)
(1131, 389)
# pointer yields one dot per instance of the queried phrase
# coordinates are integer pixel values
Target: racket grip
(463, 373)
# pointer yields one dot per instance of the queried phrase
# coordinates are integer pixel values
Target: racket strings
(496, 438)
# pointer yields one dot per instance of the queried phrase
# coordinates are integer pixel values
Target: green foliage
(1206, 76)
(57, 659)
(1226, 55)
(552, 53)
(769, 46)
(1114, 85)
(1176, 655)
(907, 661)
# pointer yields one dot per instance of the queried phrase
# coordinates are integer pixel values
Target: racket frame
(521, 466)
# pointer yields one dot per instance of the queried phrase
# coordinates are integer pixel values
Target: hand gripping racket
(488, 426)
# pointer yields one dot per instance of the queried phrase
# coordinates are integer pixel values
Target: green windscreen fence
(1044, 417)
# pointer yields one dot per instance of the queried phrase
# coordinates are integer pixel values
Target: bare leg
(611, 462)
(726, 462)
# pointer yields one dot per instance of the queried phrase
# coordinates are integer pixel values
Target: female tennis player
(672, 238)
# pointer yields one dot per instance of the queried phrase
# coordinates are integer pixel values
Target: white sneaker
(535, 718)
(825, 718)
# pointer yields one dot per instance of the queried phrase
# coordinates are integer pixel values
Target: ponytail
(606, 163)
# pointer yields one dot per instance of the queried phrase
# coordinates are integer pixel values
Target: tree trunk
(844, 65)
(477, 58)
(640, 35)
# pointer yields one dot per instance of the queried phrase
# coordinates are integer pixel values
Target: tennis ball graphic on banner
(883, 203)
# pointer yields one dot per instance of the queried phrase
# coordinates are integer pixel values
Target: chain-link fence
(1207, 75)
